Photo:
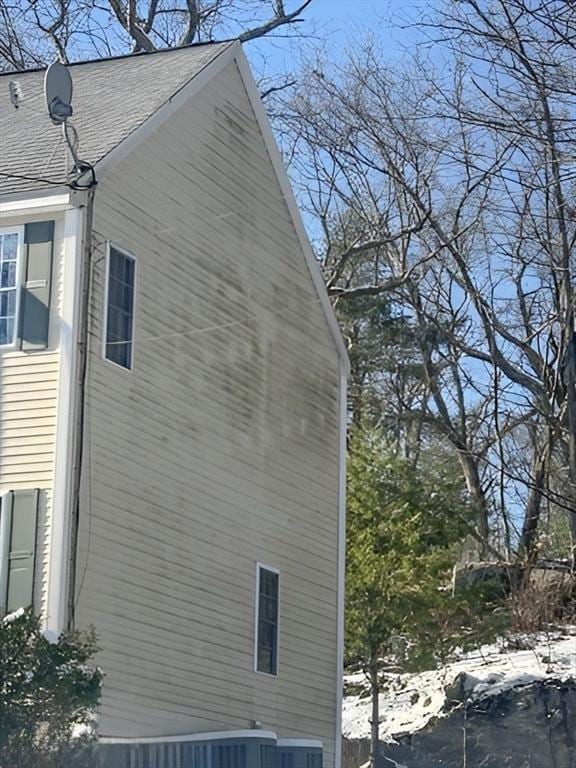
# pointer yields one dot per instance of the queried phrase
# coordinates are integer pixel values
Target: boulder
(530, 726)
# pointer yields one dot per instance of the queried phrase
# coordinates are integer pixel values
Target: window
(119, 330)
(267, 615)
(25, 285)
(10, 246)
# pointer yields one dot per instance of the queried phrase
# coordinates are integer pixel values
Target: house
(172, 410)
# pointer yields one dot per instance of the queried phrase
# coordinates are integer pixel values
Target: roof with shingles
(112, 98)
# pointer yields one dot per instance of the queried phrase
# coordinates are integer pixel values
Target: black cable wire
(86, 167)
(32, 178)
(82, 168)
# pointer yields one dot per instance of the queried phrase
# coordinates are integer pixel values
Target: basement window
(119, 307)
(10, 247)
(267, 619)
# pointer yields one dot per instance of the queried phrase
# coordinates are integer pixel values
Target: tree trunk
(474, 487)
(375, 760)
(570, 380)
(534, 506)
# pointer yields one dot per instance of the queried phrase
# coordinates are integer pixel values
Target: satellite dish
(58, 92)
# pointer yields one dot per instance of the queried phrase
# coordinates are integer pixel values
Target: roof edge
(118, 57)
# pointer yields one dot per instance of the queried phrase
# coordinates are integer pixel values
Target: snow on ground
(414, 700)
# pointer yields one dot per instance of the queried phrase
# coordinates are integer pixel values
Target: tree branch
(280, 19)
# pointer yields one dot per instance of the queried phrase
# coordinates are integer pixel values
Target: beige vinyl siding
(218, 450)
(28, 394)
(28, 405)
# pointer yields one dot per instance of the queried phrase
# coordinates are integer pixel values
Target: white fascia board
(67, 393)
(51, 201)
(174, 103)
(288, 194)
(214, 736)
(35, 203)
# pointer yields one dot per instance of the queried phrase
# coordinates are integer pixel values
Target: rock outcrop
(508, 705)
(531, 726)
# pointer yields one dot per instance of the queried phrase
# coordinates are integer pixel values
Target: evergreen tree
(404, 524)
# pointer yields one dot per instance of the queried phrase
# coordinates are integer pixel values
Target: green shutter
(18, 525)
(36, 289)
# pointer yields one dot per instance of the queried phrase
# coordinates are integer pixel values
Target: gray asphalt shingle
(111, 99)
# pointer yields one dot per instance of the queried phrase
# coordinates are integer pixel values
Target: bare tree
(460, 167)
(35, 31)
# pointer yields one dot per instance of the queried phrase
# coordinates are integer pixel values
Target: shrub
(48, 696)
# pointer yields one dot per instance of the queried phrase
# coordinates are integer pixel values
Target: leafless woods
(442, 187)
(33, 32)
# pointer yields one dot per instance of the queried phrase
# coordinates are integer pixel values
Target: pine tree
(403, 527)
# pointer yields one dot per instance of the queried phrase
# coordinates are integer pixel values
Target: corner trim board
(343, 407)
(63, 469)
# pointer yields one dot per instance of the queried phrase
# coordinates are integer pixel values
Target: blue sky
(338, 23)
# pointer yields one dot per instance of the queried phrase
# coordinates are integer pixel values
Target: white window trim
(18, 230)
(259, 568)
(124, 252)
